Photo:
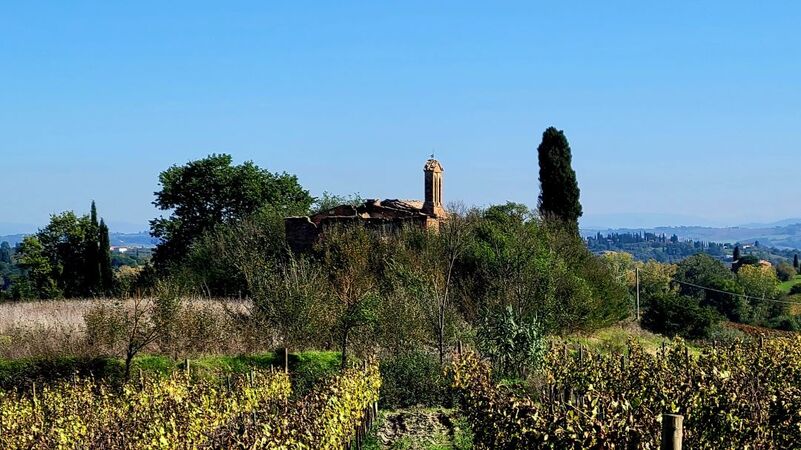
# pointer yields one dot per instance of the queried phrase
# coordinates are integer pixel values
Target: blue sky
(678, 112)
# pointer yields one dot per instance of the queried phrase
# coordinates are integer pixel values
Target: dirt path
(420, 429)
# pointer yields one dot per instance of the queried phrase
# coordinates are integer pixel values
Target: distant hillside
(12, 239)
(785, 236)
(142, 239)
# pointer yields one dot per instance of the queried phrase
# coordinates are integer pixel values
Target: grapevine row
(175, 412)
(743, 395)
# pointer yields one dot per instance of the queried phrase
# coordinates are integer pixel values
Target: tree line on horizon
(67, 258)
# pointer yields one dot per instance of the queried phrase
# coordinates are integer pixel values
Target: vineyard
(253, 410)
(742, 395)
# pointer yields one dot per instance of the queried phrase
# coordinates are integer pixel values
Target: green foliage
(106, 273)
(785, 271)
(20, 373)
(559, 191)
(230, 258)
(703, 270)
(411, 378)
(65, 258)
(513, 344)
(328, 201)
(785, 322)
(646, 246)
(309, 368)
(543, 271)
(212, 191)
(39, 280)
(743, 396)
(5, 252)
(672, 314)
(347, 258)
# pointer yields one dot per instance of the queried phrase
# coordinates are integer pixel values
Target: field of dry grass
(46, 328)
(69, 314)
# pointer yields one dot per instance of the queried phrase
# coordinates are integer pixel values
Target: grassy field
(305, 367)
(614, 339)
(785, 286)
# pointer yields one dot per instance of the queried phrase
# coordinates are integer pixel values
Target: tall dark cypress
(104, 255)
(91, 258)
(795, 261)
(736, 255)
(559, 191)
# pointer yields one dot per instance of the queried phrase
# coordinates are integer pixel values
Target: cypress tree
(795, 261)
(559, 191)
(106, 274)
(736, 255)
(91, 258)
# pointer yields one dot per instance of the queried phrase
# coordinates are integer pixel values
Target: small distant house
(302, 232)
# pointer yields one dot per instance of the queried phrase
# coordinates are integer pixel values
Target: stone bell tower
(433, 189)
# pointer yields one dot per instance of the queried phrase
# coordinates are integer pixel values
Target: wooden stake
(672, 431)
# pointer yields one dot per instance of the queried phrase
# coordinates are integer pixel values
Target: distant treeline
(645, 246)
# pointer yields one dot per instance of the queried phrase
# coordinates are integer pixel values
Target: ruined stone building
(387, 215)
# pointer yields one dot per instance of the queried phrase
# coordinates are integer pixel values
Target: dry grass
(69, 314)
(52, 328)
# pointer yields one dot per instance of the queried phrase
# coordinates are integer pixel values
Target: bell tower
(433, 189)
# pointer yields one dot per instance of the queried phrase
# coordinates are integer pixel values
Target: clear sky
(676, 111)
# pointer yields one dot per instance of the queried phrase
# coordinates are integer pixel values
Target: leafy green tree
(212, 191)
(33, 260)
(228, 259)
(708, 280)
(673, 314)
(559, 191)
(345, 253)
(104, 258)
(759, 283)
(92, 259)
(329, 200)
(77, 256)
(514, 265)
(64, 244)
(785, 271)
(5, 253)
(429, 271)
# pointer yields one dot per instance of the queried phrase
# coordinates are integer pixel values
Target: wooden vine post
(672, 431)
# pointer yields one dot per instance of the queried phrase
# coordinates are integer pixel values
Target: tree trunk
(345, 348)
(128, 359)
(441, 334)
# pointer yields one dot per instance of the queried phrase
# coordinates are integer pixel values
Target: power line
(736, 294)
(785, 302)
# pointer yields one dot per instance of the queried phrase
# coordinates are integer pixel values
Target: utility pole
(637, 278)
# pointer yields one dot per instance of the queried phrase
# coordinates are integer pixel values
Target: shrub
(105, 329)
(795, 289)
(785, 271)
(412, 378)
(785, 322)
(513, 344)
(673, 314)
